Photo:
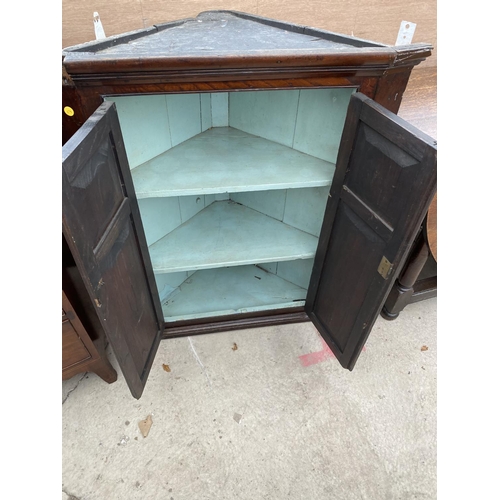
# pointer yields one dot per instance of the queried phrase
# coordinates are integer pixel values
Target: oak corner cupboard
(231, 171)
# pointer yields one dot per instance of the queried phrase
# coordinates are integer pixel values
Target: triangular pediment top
(220, 32)
(232, 41)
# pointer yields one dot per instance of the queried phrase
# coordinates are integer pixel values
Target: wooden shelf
(217, 292)
(229, 234)
(227, 160)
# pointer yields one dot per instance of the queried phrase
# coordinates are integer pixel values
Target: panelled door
(103, 228)
(384, 181)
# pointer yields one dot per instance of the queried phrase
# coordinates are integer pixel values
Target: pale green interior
(266, 158)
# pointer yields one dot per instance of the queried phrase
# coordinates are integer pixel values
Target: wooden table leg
(104, 369)
(402, 291)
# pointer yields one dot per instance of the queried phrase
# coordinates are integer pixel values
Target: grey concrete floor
(255, 423)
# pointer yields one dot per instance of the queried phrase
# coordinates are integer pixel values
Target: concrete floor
(255, 423)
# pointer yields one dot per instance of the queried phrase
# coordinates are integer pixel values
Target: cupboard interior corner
(232, 189)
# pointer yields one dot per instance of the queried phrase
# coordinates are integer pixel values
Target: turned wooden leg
(402, 291)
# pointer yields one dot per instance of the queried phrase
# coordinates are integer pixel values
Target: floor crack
(198, 360)
(70, 496)
(74, 388)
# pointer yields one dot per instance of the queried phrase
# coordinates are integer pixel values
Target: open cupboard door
(103, 228)
(383, 184)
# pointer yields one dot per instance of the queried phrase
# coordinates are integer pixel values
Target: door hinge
(384, 268)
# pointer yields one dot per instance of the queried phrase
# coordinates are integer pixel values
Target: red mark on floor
(313, 358)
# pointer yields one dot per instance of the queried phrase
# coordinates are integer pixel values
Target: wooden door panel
(97, 187)
(376, 170)
(384, 182)
(131, 306)
(104, 231)
(365, 251)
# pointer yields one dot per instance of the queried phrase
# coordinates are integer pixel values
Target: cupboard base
(237, 322)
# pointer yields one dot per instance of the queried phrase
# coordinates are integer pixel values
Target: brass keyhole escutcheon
(69, 111)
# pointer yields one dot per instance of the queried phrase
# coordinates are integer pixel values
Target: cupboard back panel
(297, 271)
(153, 124)
(300, 208)
(160, 216)
(307, 120)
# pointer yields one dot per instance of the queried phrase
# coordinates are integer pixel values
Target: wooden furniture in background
(431, 228)
(79, 354)
(83, 340)
(419, 106)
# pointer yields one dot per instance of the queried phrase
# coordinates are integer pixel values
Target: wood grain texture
(73, 349)
(79, 352)
(379, 20)
(431, 228)
(419, 106)
(117, 16)
(374, 20)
